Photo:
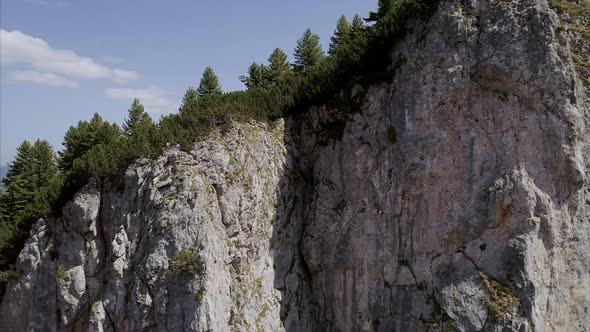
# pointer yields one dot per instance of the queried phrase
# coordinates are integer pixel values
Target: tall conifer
(209, 84)
(308, 52)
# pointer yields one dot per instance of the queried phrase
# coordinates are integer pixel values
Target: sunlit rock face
(453, 196)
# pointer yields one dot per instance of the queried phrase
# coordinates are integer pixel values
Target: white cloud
(154, 99)
(18, 47)
(43, 78)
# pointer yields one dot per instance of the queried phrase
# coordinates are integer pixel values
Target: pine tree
(258, 76)
(32, 186)
(22, 163)
(341, 37)
(46, 177)
(357, 26)
(383, 8)
(308, 53)
(136, 118)
(102, 162)
(209, 84)
(279, 68)
(79, 140)
(356, 44)
(391, 17)
(19, 183)
(44, 168)
(189, 100)
(139, 129)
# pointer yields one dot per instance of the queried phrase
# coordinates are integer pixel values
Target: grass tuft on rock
(185, 261)
(62, 276)
(9, 275)
(501, 301)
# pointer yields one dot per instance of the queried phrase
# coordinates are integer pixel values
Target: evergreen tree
(189, 100)
(357, 25)
(391, 17)
(44, 168)
(341, 37)
(279, 68)
(92, 149)
(383, 8)
(209, 84)
(258, 76)
(308, 53)
(102, 162)
(46, 177)
(139, 129)
(31, 189)
(357, 43)
(20, 182)
(22, 163)
(79, 140)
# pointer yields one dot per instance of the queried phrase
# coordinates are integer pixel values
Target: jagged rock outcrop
(196, 241)
(455, 196)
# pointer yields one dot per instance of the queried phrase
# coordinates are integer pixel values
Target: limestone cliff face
(108, 263)
(454, 196)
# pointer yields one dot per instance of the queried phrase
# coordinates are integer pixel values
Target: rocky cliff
(453, 196)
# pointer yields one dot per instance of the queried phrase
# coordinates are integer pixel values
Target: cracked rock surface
(455, 196)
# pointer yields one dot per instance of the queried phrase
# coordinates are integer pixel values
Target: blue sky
(63, 60)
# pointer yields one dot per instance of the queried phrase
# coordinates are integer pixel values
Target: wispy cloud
(154, 99)
(18, 47)
(49, 79)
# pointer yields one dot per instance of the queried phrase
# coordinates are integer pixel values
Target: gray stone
(454, 196)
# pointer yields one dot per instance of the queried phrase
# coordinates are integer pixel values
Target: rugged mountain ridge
(452, 197)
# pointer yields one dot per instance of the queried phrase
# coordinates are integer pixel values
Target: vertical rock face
(456, 197)
(199, 241)
(453, 197)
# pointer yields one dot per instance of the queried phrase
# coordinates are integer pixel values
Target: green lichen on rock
(464, 16)
(340, 206)
(94, 308)
(576, 16)
(199, 295)
(501, 300)
(571, 8)
(439, 319)
(151, 224)
(9, 275)
(391, 135)
(185, 262)
(61, 276)
(260, 317)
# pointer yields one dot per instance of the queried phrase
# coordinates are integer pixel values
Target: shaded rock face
(453, 197)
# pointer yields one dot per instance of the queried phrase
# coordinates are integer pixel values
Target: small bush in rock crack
(185, 262)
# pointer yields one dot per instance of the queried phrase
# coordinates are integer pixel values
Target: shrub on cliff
(185, 262)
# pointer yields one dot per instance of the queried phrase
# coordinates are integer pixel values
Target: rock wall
(114, 261)
(454, 196)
